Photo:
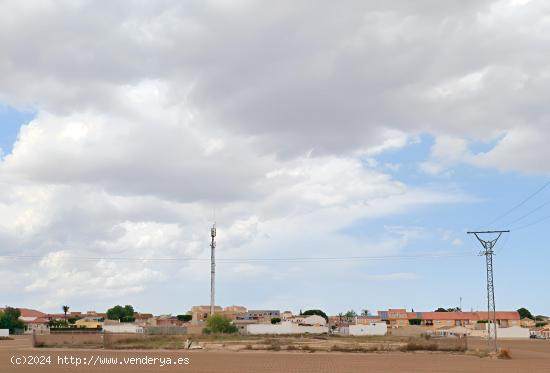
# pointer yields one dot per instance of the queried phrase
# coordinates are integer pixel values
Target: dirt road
(528, 356)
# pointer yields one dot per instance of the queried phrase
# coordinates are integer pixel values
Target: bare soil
(527, 356)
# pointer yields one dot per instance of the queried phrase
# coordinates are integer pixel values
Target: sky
(343, 150)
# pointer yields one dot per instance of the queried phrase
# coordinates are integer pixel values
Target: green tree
(415, 321)
(9, 319)
(365, 312)
(72, 320)
(65, 310)
(524, 312)
(184, 318)
(315, 312)
(441, 309)
(275, 320)
(219, 324)
(124, 314)
(58, 324)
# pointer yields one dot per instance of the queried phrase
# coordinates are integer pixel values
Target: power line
(532, 223)
(529, 213)
(256, 260)
(525, 200)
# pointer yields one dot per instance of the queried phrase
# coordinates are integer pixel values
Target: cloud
(272, 78)
(151, 116)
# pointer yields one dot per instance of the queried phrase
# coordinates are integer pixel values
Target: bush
(220, 324)
(504, 353)
(72, 320)
(413, 346)
(415, 321)
(275, 320)
(56, 324)
(540, 324)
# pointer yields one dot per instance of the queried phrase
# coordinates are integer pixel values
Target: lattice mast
(488, 251)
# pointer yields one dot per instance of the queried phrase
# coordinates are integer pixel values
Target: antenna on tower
(491, 309)
(212, 268)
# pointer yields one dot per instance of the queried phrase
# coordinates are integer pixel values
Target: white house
(375, 328)
(122, 328)
(314, 320)
(512, 332)
(285, 327)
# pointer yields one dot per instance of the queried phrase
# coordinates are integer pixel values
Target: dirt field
(528, 356)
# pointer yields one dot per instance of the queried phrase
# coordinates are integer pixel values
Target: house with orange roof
(398, 318)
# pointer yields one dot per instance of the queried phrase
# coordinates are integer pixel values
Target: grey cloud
(299, 75)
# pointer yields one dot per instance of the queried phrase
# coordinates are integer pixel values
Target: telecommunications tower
(212, 269)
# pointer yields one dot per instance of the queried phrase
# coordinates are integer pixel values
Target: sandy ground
(528, 356)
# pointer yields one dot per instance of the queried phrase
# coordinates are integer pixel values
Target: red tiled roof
(500, 315)
(39, 320)
(26, 312)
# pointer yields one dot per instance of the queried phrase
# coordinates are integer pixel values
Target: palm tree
(65, 310)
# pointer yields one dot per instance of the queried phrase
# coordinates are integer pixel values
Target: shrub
(275, 320)
(220, 324)
(413, 346)
(291, 348)
(71, 320)
(504, 353)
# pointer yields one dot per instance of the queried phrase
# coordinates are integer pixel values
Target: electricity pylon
(488, 246)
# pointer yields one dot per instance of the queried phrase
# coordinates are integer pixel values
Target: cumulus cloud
(152, 118)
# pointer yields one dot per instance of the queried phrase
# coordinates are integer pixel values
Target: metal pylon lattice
(488, 251)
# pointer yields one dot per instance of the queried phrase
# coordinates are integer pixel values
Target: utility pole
(212, 269)
(488, 252)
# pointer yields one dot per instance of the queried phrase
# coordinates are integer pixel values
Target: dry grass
(504, 353)
(353, 348)
(433, 346)
(6, 339)
(477, 352)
